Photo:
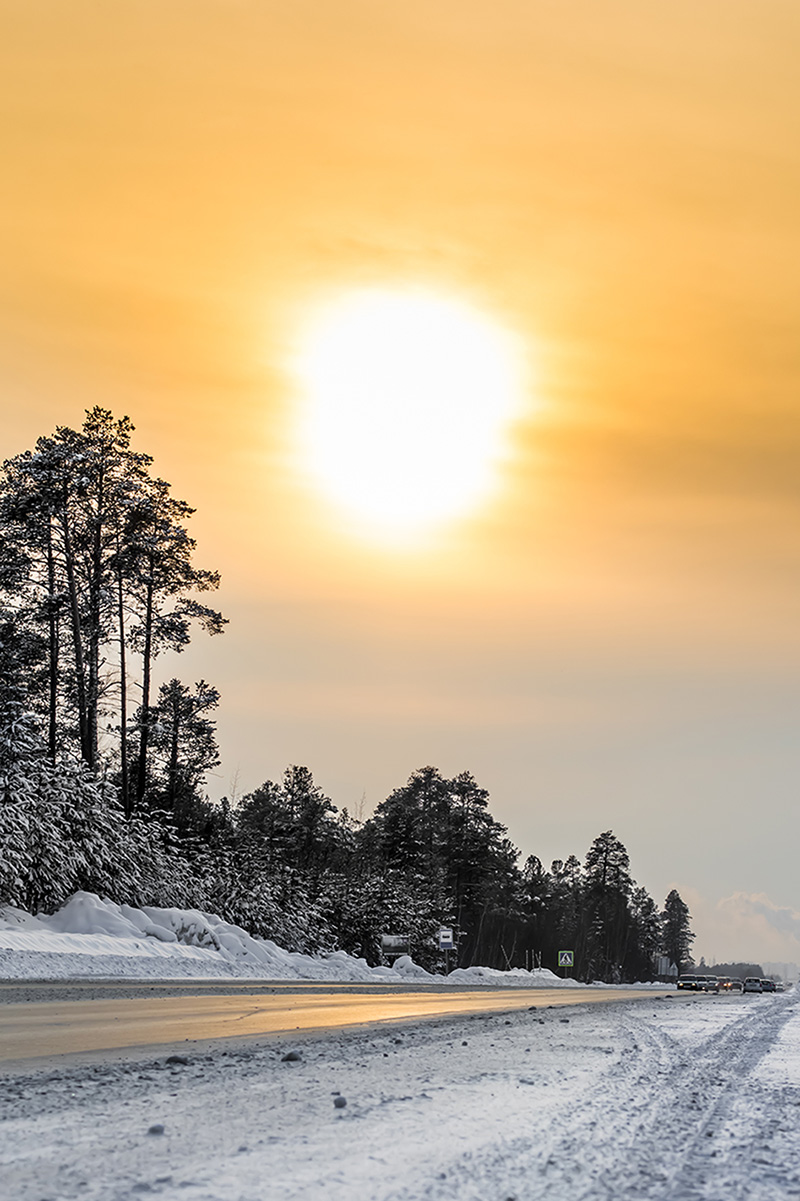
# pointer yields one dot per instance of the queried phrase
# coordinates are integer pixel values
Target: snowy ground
(681, 1098)
(90, 937)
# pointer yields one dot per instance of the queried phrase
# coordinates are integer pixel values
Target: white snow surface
(685, 1098)
(94, 937)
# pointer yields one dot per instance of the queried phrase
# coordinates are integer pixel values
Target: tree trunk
(123, 698)
(52, 669)
(173, 750)
(144, 735)
(74, 608)
(95, 591)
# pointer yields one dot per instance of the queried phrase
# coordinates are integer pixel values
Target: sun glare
(406, 400)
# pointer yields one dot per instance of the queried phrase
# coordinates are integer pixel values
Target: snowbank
(90, 936)
(516, 977)
(93, 937)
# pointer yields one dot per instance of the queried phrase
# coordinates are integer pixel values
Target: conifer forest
(103, 772)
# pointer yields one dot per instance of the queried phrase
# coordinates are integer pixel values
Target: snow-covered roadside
(93, 937)
(690, 1097)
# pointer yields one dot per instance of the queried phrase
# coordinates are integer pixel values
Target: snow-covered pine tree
(96, 559)
(62, 829)
(676, 931)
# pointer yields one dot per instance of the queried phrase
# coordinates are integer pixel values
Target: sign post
(566, 959)
(446, 944)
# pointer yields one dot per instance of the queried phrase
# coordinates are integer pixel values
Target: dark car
(768, 986)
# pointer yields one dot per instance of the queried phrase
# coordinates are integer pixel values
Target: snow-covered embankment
(93, 937)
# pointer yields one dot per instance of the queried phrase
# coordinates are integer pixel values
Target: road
(37, 1028)
(693, 1098)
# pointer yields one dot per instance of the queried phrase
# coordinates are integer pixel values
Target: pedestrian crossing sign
(566, 958)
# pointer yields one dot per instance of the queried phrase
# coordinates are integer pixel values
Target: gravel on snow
(680, 1099)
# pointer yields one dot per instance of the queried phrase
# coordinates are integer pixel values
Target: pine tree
(607, 890)
(62, 830)
(677, 934)
(96, 563)
(61, 507)
(184, 750)
(453, 857)
(161, 580)
(562, 924)
(645, 942)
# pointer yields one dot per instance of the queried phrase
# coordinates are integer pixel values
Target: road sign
(395, 945)
(446, 942)
(566, 958)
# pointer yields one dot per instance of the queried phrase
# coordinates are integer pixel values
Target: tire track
(651, 1127)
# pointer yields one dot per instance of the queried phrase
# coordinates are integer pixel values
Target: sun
(406, 399)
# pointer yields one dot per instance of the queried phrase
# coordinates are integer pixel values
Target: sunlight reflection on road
(59, 1028)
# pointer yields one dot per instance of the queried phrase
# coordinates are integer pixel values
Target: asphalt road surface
(40, 1026)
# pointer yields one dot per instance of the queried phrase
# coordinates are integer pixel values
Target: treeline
(286, 865)
(737, 971)
(102, 782)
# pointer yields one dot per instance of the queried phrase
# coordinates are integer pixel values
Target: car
(735, 984)
(768, 986)
(688, 982)
(752, 984)
(711, 984)
(724, 983)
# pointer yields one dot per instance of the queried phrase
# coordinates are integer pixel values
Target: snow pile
(515, 976)
(93, 937)
(88, 928)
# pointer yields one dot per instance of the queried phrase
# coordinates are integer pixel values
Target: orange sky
(613, 642)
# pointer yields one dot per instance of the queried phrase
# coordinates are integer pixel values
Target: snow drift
(93, 937)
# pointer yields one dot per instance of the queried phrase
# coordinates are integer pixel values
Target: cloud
(786, 921)
(747, 927)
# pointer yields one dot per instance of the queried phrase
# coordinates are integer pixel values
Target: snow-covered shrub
(62, 831)
(244, 892)
(20, 754)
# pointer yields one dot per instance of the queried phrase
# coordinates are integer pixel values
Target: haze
(611, 639)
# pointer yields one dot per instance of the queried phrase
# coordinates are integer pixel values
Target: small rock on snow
(339, 1102)
(156, 1128)
(291, 1057)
